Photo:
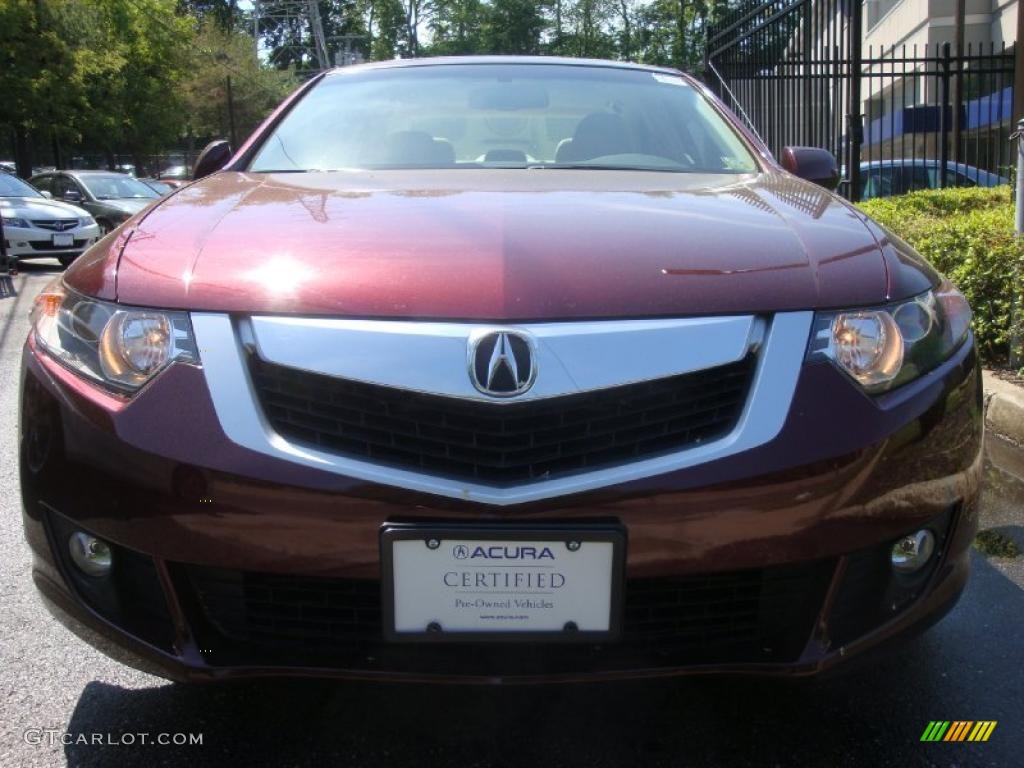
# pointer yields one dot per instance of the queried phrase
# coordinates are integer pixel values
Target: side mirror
(813, 164)
(73, 196)
(214, 156)
(47, 195)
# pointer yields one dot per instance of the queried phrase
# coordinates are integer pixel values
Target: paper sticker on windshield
(669, 79)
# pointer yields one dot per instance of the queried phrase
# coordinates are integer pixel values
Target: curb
(1004, 408)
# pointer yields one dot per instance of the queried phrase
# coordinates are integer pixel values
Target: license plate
(64, 240)
(505, 584)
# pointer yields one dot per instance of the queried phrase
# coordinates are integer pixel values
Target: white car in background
(35, 227)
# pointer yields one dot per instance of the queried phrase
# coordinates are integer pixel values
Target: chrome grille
(509, 442)
(55, 225)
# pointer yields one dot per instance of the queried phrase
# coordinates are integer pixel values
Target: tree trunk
(679, 55)
(22, 152)
(58, 161)
(627, 35)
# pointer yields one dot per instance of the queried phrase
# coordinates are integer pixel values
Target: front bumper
(771, 561)
(38, 243)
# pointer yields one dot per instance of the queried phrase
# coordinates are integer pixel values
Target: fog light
(911, 552)
(92, 556)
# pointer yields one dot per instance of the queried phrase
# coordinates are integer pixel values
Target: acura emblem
(501, 363)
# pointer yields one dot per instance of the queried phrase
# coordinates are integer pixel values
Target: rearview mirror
(73, 196)
(509, 97)
(813, 164)
(214, 156)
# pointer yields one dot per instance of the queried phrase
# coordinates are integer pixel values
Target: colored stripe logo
(958, 730)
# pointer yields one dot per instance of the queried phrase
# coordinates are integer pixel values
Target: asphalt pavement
(968, 667)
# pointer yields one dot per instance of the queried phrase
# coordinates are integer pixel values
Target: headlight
(15, 221)
(119, 347)
(87, 221)
(884, 347)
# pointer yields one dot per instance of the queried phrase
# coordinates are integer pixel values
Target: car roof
(82, 173)
(470, 60)
(925, 161)
(95, 173)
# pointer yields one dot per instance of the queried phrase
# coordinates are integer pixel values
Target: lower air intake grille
(503, 443)
(281, 620)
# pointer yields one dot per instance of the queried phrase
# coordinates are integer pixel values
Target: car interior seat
(598, 134)
(415, 148)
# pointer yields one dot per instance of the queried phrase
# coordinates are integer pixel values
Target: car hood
(39, 208)
(498, 245)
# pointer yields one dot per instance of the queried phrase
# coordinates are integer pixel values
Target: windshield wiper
(601, 167)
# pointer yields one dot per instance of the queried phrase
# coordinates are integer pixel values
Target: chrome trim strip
(570, 357)
(780, 359)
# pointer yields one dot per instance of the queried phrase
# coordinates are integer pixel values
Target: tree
(223, 13)
(256, 89)
(40, 74)
(152, 44)
(455, 28)
(589, 32)
(384, 22)
(512, 27)
(290, 37)
(103, 70)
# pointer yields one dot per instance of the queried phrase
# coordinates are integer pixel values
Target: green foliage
(968, 234)
(102, 71)
(130, 75)
(668, 32)
(256, 90)
(513, 27)
(996, 544)
(455, 28)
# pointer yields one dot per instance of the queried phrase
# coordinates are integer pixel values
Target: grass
(994, 544)
(968, 234)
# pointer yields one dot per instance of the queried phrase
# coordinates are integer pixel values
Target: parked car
(175, 176)
(884, 178)
(35, 228)
(158, 186)
(357, 403)
(111, 198)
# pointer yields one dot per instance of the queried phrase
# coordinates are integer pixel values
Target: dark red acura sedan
(500, 369)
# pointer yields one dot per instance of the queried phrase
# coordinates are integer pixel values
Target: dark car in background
(885, 178)
(158, 186)
(175, 175)
(110, 197)
(500, 369)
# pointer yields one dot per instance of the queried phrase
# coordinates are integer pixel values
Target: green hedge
(968, 235)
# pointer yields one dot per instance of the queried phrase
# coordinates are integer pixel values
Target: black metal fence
(898, 119)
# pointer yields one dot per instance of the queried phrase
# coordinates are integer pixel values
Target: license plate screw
(434, 627)
(433, 543)
(572, 545)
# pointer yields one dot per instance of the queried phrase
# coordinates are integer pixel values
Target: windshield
(12, 186)
(116, 187)
(507, 116)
